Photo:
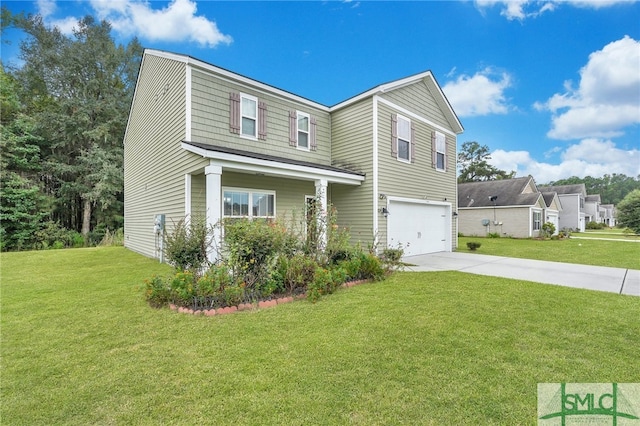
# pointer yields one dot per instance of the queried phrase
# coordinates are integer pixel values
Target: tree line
(64, 113)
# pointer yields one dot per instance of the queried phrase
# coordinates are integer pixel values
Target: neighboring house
(572, 198)
(508, 207)
(608, 214)
(204, 141)
(552, 211)
(592, 208)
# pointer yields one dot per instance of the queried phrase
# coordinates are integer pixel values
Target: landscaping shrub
(595, 225)
(157, 292)
(253, 247)
(548, 229)
(259, 259)
(186, 247)
(473, 245)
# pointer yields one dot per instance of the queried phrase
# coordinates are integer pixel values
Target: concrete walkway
(615, 280)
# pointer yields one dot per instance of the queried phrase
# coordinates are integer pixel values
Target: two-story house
(202, 140)
(572, 198)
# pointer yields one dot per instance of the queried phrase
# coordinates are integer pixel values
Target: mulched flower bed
(250, 306)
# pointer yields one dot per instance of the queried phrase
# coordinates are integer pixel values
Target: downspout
(375, 171)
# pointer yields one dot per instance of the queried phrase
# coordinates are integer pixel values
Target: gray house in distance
(205, 141)
(572, 198)
(508, 207)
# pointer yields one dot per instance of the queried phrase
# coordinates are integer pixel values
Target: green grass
(616, 254)
(80, 346)
(615, 233)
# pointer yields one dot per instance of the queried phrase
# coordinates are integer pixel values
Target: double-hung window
(302, 131)
(404, 139)
(249, 114)
(440, 151)
(248, 204)
(303, 126)
(537, 219)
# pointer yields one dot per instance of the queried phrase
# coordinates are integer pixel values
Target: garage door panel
(418, 227)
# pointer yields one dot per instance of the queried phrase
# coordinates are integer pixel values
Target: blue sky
(552, 87)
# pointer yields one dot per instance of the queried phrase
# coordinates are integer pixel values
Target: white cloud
(522, 9)
(479, 94)
(174, 23)
(47, 8)
(590, 157)
(607, 99)
(517, 9)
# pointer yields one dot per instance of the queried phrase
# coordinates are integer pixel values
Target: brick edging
(251, 306)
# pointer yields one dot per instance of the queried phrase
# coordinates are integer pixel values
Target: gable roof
(428, 79)
(577, 188)
(509, 192)
(426, 76)
(594, 197)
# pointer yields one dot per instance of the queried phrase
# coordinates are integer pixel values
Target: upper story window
(247, 116)
(249, 112)
(302, 131)
(439, 151)
(402, 138)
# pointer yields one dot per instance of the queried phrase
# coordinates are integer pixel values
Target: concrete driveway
(614, 280)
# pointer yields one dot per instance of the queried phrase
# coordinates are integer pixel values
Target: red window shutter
(293, 128)
(234, 113)
(313, 144)
(413, 143)
(262, 121)
(394, 135)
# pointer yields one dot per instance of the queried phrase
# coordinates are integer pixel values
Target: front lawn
(618, 254)
(81, 346)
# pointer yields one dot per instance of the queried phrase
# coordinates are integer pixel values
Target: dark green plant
(493, 235)
(629, 211)
(186, 246)
(182, 288)
(157, 292)
(548, 229)
(473, 245)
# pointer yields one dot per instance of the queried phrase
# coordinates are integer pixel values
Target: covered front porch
(241, 184)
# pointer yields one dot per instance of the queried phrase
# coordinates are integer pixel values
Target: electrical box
(485, 222)
(158, 224)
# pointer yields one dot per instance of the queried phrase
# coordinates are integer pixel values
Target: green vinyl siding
(418, 180)
(352, 148)
(210, 120)
(154, 162)
(418, 99)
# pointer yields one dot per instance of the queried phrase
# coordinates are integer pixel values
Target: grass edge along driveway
(80, 346)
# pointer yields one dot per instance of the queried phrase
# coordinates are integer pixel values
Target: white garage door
(420, 228)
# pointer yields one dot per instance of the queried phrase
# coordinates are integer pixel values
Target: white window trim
(255, 133)
(308, 132)
(533, 221)
(250, 192)
(408, 159)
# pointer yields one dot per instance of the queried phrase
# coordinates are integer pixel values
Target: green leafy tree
(23, 205)
(473, 165)
(78, 89)
(612, 188)
(629, 211)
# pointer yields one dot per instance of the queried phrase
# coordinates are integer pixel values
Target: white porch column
(213, 175)
(321, 200)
